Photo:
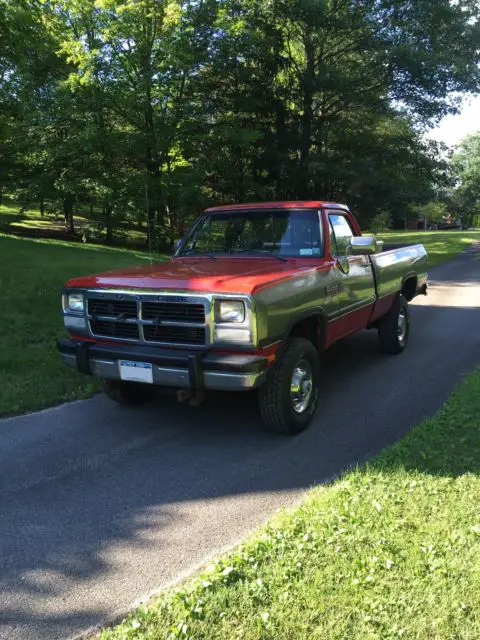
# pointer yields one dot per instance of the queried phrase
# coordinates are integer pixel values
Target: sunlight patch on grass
(15, 222)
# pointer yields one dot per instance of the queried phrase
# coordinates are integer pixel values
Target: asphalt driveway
(100, 506)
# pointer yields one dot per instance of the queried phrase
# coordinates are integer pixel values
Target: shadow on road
(123, 486)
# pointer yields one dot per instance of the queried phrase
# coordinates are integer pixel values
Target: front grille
(174, 335)
(110, 329)
(148, 320)
(173, 312)
(126, 308)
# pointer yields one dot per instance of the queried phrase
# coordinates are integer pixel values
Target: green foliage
(380, 222)
(390, 550)
(150, 110)
(467, 164)
(433, 211)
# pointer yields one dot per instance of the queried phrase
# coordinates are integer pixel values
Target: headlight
(75, 302)
(231, 311)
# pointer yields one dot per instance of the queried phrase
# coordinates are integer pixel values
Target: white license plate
(136, 371)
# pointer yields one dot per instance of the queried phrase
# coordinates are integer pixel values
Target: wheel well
(312, 328)
(409, 288)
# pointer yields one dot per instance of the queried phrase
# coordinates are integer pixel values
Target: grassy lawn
(11, 220)
(441, 245)
(31, 223)
(32, 274)
(391, 550)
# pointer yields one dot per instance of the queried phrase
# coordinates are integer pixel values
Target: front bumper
(177, 368)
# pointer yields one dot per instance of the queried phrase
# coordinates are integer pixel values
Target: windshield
(285, 233)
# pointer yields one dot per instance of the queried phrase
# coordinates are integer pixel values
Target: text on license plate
(136, 371)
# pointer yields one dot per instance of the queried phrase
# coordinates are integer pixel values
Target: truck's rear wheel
(288, 399)
(127, 393)
(394, 329)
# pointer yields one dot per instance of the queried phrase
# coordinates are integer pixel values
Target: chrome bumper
(171, 368)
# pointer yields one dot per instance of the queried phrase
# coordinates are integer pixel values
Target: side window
(340, 234)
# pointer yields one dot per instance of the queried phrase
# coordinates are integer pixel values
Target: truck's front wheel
(288, 399)
(127, 393)
(394, 329)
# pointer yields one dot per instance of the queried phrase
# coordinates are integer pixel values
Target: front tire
(127, 393)
(394, 329)
(288, 399)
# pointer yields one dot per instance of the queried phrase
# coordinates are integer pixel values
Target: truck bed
(398, 263)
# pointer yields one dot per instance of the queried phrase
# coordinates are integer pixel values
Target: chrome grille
(178, 335)
(126, 308)
(174, 312)
(149, 319)
(109, 329)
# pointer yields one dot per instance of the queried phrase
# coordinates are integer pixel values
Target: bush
(381, 222)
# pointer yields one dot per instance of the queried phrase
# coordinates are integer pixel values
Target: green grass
(31, 223)
(11, 220)
(32, 274)
(441, 245)
(391, 550)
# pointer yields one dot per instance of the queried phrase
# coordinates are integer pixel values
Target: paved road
(100, 505)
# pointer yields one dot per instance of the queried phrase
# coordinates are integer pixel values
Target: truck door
(353, 288)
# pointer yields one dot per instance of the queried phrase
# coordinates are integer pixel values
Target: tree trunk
(68, 203)
(108, 211)
(151, 203)
(42, 206)
(152, 159)
(91, 211)
(152, 194)
(281, 136)
(307, 119)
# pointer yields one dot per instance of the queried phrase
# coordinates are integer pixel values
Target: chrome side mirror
(365, 245)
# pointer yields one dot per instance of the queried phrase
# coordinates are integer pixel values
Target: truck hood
(224, 275)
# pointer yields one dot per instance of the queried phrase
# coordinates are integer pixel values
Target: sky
(453, 129)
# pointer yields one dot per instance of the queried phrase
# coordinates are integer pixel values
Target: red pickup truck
(252, 297)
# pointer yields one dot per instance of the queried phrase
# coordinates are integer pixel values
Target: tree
(138, 58)
(466, 163)
(152, 109)
(433, 212)
(327, 98)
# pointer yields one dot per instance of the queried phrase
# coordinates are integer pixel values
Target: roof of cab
(295, 204)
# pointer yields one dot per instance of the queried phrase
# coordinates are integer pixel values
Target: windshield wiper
(200, 254)
(262, 252)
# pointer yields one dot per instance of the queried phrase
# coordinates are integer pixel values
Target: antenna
(148, 223)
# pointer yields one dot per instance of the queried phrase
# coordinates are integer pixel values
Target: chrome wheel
(402, 327)
(301, 387)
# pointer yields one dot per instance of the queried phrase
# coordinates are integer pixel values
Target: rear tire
(127, 393)
(288, 399)
(394, 328)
